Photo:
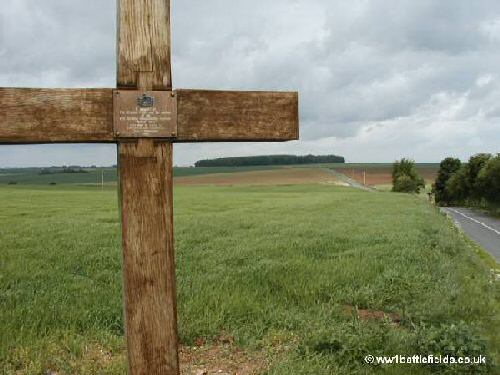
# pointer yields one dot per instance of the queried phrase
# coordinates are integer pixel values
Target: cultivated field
(282, 176)
(302, 279)
(377, 175)
(381, 174)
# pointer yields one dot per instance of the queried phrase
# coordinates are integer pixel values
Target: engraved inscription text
(133, 120)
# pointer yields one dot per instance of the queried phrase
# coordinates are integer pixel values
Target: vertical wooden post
(146, 197)
(145, 165)
(148, 253)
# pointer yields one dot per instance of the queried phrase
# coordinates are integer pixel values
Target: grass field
(93, 176)
(377, 175)
(269, 279)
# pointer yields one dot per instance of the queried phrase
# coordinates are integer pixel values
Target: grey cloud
(353, 63)
(361, 66)
(71, 40)
(426, 25)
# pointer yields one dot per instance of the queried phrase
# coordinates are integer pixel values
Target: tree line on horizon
(475, 183)
(246, 161)
(63, 169)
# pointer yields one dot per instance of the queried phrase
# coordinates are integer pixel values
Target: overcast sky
(378, 79)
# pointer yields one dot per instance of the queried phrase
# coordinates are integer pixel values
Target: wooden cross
(145, 117)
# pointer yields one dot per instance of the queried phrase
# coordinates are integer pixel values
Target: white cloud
(378, 79)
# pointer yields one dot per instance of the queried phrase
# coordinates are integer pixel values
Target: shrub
(463, 186)
(472, 170)
(405, 177)
(447, 169)
(453, 339)
(406, 184)
(488, 181)
(456, 186)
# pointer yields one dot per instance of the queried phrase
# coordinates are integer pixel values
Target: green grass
(32, 176)
(271, 266)
(93, 176)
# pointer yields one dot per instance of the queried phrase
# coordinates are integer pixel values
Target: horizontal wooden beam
(86, 115)
(237, 116)
(56, 115)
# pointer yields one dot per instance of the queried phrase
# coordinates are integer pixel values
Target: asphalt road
(483, 229)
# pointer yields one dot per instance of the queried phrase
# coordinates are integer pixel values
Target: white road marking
(475, 221)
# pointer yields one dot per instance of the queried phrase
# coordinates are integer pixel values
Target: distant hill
(269, 160)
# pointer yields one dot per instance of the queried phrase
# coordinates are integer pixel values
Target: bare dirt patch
(363, 314)
(220, 359)
(284, 176)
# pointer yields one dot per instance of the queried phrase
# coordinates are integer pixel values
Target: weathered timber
(146, 196)
(237, 116)
(145, 165)
(144, 42)
(148, 256)
(56, 115)
(86, 115)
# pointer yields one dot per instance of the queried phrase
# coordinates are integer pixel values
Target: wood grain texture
(237, 116)
(86, 115)
(144, 42)
(146, 196)
(56, 115)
